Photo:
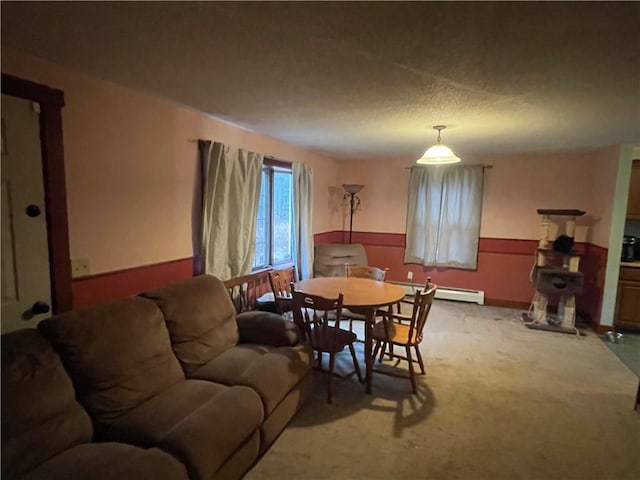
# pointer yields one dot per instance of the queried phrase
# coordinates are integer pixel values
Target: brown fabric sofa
(269, 358)
(175, 372)
(46, 434)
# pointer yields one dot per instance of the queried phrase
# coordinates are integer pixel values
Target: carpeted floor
(499, 401)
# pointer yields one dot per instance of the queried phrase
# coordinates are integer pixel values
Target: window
(274, 226)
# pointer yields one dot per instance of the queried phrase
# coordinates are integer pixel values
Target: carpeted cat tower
(556, 274)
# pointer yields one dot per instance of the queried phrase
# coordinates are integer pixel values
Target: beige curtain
(303, 219)
(231, 191)
(443, 216)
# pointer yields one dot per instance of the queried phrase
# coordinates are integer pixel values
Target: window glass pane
(282, 217)
(261, 257)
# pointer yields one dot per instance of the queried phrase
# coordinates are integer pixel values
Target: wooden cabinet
(628, 301)
(633, 205)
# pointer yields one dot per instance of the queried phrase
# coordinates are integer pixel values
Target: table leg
(368, 348)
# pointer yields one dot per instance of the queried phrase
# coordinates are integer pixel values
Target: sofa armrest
(267, 328)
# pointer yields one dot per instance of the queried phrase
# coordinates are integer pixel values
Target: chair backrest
(281, 281)
(421, 307)
(330, 258)
(312, 313)
(246, 289)
(374, 273)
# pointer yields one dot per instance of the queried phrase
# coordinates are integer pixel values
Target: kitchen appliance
(629, 247)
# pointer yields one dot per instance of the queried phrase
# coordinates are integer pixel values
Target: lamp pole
(354, 203)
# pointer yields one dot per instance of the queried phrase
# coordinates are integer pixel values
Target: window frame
(271, 165)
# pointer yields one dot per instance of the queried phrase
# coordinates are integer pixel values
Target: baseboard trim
(600, 329)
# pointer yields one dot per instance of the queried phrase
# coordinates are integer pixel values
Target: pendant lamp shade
(438, 154)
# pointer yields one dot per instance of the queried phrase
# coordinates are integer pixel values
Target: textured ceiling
(366, 79)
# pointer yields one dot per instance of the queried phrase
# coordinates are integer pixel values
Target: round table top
(358, 292)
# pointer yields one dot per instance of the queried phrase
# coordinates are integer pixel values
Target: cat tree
(556, 272)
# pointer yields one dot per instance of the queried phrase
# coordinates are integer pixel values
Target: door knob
(33, 210)
(40, 307)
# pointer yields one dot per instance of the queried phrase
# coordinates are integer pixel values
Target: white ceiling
(366, 79)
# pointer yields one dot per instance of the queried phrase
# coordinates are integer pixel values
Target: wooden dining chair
(373, 273)
(280, 281)
(311, 314)
(406, 331)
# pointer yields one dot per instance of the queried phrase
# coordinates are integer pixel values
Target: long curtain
(303, 218)
(231, 192)
(443, 216)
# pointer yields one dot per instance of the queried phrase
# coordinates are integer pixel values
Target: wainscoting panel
(110, 286)
(503, 272)
(504, 267)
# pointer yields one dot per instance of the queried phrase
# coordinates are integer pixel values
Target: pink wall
(131, 167)
(514, 189)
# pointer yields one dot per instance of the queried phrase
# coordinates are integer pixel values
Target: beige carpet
(499, 401)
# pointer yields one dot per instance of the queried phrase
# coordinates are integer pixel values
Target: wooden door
(26, 284)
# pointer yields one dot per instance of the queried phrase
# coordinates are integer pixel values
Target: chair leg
(411, 372)
(319, 360)
(332, 363)
(419, 355)
(376, 349)
(386, 332)
(355, 362)
(391, 351)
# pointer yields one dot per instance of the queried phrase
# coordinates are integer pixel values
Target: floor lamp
(354, 202)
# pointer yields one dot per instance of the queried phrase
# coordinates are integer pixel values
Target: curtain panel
(230, 195)
(443, 216)
(303, 219)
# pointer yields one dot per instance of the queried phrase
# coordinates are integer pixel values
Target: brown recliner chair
(330, 258)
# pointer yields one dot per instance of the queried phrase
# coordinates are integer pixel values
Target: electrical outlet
(80, 267)
(410, 275)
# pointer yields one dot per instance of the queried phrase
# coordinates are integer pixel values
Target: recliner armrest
(268, 329)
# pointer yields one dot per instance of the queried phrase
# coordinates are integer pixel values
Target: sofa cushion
(109, 461)
(271, 371)
(267, 328)
(40, 415)
(118, 354)
(200, 423)
(200, 317)
(330, 258)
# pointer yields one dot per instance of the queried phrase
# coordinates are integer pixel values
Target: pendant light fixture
(438, 154)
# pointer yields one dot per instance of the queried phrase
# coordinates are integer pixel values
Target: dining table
(360, 295)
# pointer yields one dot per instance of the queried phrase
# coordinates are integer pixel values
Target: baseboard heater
(448, 293)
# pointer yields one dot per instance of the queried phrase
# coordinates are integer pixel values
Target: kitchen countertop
(635, 264)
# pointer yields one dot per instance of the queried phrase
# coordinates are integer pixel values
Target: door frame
(51, 102)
